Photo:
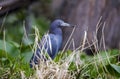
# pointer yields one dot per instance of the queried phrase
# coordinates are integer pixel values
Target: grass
(75, 65)
(67, 65)
(15, 56)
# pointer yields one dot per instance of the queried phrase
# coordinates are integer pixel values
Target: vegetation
(16, 49)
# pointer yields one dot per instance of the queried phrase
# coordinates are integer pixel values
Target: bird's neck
(57, 31)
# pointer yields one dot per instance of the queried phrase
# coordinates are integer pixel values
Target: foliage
(16, 50)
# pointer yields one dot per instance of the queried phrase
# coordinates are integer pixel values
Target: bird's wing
(48, 41)
(47, 44)
(38, 54)
(50, 44)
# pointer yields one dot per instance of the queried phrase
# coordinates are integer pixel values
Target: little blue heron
(50, 43)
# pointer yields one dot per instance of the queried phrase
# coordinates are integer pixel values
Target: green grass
(71, 65)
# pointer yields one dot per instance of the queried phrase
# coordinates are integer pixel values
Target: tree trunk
(99, 18)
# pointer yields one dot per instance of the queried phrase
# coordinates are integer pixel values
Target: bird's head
(58, 23)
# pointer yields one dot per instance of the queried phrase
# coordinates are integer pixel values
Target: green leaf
(15, 44)
(113, 70)
(27, 56)
(115, 67)
(8, 48)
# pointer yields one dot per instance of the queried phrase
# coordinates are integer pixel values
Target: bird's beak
(65, 24)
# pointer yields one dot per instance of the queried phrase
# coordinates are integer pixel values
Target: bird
(50, 43)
